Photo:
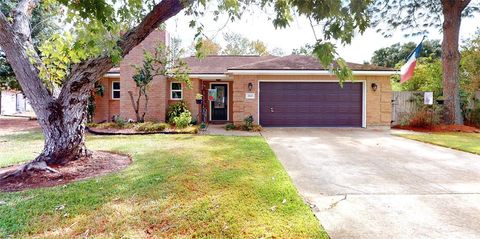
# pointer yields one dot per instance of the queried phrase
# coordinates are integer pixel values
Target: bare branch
(21, 18)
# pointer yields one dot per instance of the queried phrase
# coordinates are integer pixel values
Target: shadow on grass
(177, 185)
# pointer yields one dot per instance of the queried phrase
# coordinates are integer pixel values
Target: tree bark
(136, 105)
(63, 119)
(452, 13)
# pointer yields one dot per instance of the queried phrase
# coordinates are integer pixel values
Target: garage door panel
(322, 104)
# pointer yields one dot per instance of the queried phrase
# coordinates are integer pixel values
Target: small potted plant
(203, 126)
(199, 99)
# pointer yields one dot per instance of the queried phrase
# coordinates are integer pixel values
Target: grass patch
(183, 186)
(20, 147)
(468, 142)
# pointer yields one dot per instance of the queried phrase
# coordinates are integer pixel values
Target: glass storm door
(219, 107)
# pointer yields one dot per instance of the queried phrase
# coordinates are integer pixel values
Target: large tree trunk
(62, 118)
(452, 13)
(64, 129)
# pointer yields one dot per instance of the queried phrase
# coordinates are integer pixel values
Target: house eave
(210, 76)
(112, 75)
(308, 72)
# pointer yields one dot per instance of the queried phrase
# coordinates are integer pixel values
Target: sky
(259, 27)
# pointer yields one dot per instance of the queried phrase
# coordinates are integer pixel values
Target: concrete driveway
(365, 183)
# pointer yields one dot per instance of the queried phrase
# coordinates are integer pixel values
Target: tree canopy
(417, 17)
(236, 44)
(428, 73)
(44, 23)
(209, 47)
(397, 53)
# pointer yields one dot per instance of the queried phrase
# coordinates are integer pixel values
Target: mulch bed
(442, 128)
(99, 164)
(131, 131)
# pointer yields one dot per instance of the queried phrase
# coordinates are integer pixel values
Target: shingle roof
(218, 64)
(300, 62)
(114, 70)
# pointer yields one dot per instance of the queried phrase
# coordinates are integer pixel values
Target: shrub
(473, 117)
(194, 121)
(248, 123)
(107, 125)
(230, 126)
(175, 109)
(120, 121)
(183, 120)
(151, 127)
(92, 125)
(426, 117)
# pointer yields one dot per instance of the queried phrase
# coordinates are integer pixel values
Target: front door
(219, 107)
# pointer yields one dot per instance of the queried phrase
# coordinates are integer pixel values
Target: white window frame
(172, 90)
(113, 90)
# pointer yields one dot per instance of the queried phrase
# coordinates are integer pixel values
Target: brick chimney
(157, 91)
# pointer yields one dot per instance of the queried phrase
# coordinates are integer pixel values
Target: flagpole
(411, 53)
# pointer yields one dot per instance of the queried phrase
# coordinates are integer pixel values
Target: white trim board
(210, 76)
(364, 95)
(112, 75)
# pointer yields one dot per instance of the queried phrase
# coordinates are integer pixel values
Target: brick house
(277, 91)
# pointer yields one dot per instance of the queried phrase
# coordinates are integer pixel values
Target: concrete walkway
(370, 184)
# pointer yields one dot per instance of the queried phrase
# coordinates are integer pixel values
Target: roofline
(214, 76)
(206, 76)
(209, 76)
(308, 72)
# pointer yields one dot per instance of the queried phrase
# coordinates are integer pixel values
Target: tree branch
(464, 4)
(85, 74)
(21, 18)
(19, 51)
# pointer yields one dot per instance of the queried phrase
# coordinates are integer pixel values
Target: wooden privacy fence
(403, 104)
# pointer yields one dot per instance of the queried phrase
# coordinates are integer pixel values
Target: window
(176, 91)
(116, 90)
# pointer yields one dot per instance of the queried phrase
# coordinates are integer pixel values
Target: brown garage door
(315, 104)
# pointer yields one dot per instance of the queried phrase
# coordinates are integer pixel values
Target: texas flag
(406, 72)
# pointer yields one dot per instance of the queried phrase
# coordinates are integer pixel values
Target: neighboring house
(14, 103)
(277, 91)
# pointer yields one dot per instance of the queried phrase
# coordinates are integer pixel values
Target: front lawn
(468, 142)
(180, 186)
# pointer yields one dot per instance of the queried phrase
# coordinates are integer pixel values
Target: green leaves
(325, 52)
(163, 61)
(240, 45)
(342, 71)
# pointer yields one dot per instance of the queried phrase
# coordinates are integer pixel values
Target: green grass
(20, 147)
(468, 142)
(179, 186)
